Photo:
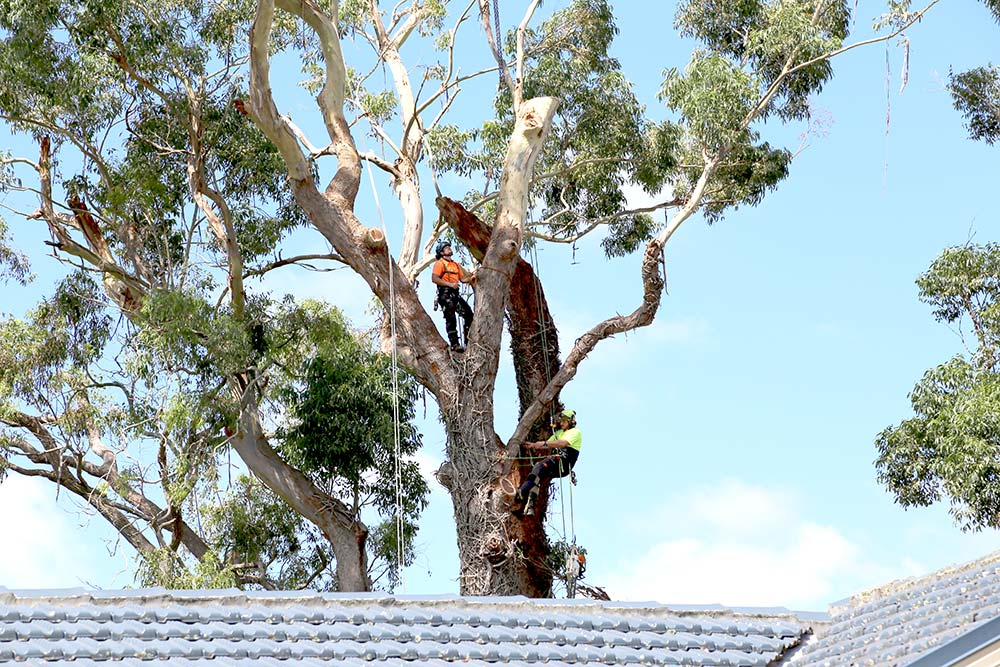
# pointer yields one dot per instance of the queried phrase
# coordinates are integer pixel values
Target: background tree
(948, 449)
(976, 94)
(135, 426)
(552, 157)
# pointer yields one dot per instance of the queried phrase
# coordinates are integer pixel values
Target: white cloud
(742, 545)
(737, 573)
(43, 546)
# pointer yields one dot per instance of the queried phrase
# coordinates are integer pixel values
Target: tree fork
(533, 333)
(497, 551)
(530, 322)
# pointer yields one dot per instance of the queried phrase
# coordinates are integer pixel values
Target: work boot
(455, 347)
(529, 507)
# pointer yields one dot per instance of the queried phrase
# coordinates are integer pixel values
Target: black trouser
(557, 465)
(451, 302)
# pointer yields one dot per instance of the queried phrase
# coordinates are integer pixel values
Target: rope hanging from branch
(572, 563)
(397, 456)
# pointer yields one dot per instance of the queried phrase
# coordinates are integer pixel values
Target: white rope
(548, 378)
(400, 539)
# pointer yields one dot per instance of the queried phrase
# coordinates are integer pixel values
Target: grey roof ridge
(820, 616)
(966, 644)
(884, 590)
(316, 598)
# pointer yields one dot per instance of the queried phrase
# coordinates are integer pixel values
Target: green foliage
(600, 139)
(14, 265)
(763, 39)
(994, 7)
(163, 568)
(745, 177)
(755, 61)
(432, 17)
(254, 529)
(63, 335)
(896, 16)
(342, 424)
(627, 233)
(338, 427)
(353, 14)
(713, 97)
(949, 449)
(759, 58)
(183, 333)
(61, 75)
(976, 94)
(556, 559)
(450, 148)
(383, 543)
(381, 106)
(598, 118)
(963, 280)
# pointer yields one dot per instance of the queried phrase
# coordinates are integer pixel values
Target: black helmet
(439, 250)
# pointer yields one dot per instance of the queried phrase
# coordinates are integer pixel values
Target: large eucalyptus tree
(550, 160)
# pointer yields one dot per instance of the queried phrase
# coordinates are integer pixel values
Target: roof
(931, 621)
(234, 628)
(928, 621)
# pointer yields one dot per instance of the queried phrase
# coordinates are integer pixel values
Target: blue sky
(728, 447)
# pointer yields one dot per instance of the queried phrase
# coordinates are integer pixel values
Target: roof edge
(311, 597)
(963, 646)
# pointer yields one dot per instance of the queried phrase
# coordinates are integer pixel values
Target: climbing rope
(572, 564)
(398, 471)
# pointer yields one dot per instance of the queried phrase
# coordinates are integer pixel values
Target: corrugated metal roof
(894, 625)
(216, 628)
(890, 626)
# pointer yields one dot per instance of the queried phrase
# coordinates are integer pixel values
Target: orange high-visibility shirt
(447, 270)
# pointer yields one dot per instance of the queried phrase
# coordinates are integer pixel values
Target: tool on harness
(576, 565)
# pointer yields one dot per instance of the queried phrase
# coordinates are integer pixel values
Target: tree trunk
(535, 351)
(499, 553)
